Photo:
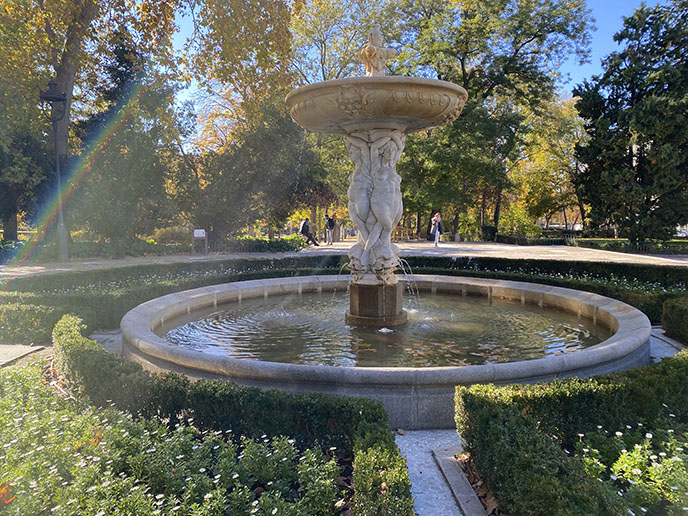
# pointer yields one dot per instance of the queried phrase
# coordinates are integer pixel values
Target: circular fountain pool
(442, 330)
(415, 397)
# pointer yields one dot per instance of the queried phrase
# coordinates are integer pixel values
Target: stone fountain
(375, 112)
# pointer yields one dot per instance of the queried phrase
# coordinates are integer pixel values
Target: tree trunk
(483, 207)
(9, 226)
(314, 217)
(566, 222)
(498, 207)
(417, 222)
(271, 232)
(9, 219)
(68, 65)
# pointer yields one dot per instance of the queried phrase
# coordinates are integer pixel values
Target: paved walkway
(410, 248)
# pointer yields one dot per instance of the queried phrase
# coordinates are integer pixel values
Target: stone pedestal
(375, 305)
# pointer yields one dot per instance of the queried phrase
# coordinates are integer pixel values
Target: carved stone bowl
(409, 104)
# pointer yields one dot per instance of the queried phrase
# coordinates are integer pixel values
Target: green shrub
(524, 240)
(488, 233)
(258, 244)
(350, 425)
(381, 491)
(102, 297)
(26, 323)
(173, 235)
(519, 435)
(62, 457)
(675, 318)
(526, 470)
(676, 246)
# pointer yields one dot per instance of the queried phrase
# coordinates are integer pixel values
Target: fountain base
(375, 306)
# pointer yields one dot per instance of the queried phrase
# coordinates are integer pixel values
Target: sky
(608, 15)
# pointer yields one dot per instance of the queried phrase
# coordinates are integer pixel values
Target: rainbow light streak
(74, 178)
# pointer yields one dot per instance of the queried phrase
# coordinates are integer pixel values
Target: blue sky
(608, 16)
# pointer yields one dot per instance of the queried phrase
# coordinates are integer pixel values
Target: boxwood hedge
(520, 436)
(675, 318)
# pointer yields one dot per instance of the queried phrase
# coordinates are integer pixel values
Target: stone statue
(374, 55)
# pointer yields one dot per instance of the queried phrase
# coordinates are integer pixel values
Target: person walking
(437, 228)
(305, 231)
(329, 228)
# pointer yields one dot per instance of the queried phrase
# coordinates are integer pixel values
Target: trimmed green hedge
(675, 318)
(353, 425)
(26, 323)
(519, 435)
(261, 245)
(649, 303)
(623, 245)
(523, 240)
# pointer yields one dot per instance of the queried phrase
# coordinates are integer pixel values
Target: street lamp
(54, 97)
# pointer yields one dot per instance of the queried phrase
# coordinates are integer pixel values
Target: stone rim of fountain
(413, 397)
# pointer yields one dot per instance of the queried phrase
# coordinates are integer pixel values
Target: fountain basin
(409, 104)
(414, 398)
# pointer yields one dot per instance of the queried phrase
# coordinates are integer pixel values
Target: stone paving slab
(10, 353)
(432, 494)
(459, 485)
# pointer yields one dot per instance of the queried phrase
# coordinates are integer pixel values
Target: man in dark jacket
(305, 231)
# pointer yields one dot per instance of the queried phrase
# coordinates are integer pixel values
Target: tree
(257, 176)
(506, 55)
(544, 176)
(22, 165)
(123, 164)
(328, 34)
(636, 161)
(42, 39)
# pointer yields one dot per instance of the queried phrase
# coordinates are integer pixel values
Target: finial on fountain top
(374, 55)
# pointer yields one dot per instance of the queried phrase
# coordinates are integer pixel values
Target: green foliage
(624, 245)
(257, 244)
(637, 155)
(519, 434)
(347, 425)
(26, 323)
(62, 457)
(257, 174)
(522, 240)
(675, 318)
(526, 470)
(488, 233)
(505, 55)
(516, 220)
(381, 492)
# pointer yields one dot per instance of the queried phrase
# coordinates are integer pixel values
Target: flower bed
(610, 445)
(62, 457)
(353, 426)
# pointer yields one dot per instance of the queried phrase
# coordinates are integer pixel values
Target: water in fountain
(442, 330)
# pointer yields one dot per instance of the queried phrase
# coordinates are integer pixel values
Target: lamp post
(54, 97)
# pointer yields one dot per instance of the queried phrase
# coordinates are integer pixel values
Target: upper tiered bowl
(409, 104)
